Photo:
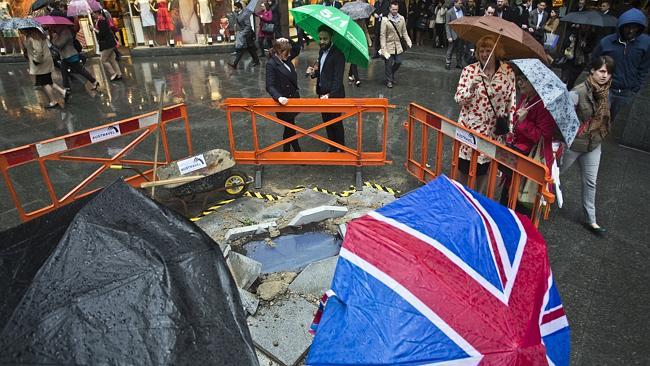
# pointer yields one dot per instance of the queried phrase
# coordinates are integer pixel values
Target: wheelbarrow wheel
(235, 184)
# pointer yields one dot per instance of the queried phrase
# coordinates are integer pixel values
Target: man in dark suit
(282, 83)
(537, 20)
(329, 84)
(504, 12)
(381, 11)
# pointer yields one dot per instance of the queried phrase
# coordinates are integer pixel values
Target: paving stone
(317, 214)
(249, 301)
(282, 331)
(244, 270)
(316, 278)
(240, 232)
(264, 360)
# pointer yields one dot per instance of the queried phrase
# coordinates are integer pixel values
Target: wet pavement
(603, 281)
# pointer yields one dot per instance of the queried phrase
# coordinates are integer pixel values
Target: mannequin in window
(204, 11)
(145, 8)
(12, 35)
(163, 19)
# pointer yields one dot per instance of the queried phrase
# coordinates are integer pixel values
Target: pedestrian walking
(353, 73)
(303, 39)
(107, 43)
(455, 43)
(62, 39)
(381, 10)
(486, 92)
(422, 23)
(41, 64)
(274, 6)
(537, 20)
(533, 131)
(244, 37)
(393, 34)
(282, 83)
(592, 107)
(328, 71)
(266, 29)
(440, 34)
(630, 49)
(580, 43)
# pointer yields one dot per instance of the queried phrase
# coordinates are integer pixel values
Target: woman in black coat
(282, 83)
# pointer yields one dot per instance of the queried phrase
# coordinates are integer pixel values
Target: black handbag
(402, 41)
(502, 125)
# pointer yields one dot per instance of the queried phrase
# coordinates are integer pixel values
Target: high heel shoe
(95, 86)
(357, 83)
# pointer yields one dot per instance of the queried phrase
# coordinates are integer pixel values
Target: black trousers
(76, 67)
(335, 132)
(377, 41)
(354, 71)
(252, 50)
(288, 132)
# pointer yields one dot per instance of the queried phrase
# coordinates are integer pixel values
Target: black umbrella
(591, 17)
(38, 4)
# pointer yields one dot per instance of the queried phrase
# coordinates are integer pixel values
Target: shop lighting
(232, 38)
(172, 43)
(150, 43)
(219, 38)
(3, 51)
(210, 40)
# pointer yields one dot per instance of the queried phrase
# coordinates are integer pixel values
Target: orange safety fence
(262, 108)
(58, 149)
(425, 163)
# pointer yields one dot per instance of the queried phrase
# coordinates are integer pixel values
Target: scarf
(600, 120)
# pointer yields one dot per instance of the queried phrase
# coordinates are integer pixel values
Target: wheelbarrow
(203, 174)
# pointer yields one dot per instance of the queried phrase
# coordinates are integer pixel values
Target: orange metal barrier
(57, 149)
(417, 163)
(351, 156)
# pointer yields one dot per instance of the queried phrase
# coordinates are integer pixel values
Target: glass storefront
(178, 22)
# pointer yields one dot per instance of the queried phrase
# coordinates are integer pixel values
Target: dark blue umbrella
(591, 17)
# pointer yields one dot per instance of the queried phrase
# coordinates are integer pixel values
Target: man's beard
(326, 46)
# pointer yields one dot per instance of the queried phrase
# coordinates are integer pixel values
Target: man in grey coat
(455, 43)
(245, 37)
(537, 20)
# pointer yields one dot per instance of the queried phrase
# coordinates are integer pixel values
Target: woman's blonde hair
(489, 41)
(280, 47)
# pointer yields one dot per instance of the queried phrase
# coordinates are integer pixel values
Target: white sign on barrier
(466, 138)
(104, 133)
(191, 164)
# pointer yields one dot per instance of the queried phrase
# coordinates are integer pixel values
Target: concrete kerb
(244, 270)
(318, 214)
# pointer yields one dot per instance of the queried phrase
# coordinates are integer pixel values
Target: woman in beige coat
(392, 29)
(41, 64)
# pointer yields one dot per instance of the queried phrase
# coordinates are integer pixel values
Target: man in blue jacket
(630, 49)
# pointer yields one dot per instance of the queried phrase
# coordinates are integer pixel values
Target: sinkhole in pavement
(292, 252)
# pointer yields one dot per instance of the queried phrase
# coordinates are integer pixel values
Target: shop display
(163, 18)
(145, 8)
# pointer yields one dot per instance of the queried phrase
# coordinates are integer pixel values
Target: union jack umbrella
(442, 276)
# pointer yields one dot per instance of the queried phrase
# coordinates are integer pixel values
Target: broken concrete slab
(249, 301)
(269, 290)
(226, 251)
(318, 214)
(316, 278)
(282, 331)
(240, 232)
(342, 229)
(244, 270)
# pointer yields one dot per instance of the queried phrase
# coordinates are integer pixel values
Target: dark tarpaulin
(118, 279)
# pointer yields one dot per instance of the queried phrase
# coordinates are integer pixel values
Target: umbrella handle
(491, 53)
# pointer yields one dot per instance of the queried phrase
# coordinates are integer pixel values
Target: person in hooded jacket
(630, 49)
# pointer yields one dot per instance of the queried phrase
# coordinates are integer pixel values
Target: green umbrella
(349, 38)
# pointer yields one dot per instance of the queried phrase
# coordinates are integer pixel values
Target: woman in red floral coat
(486, 89)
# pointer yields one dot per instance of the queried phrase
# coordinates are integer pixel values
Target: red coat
(538, 123)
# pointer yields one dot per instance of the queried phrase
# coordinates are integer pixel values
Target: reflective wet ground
(603, 281)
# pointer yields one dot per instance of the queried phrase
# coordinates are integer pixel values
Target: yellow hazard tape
(211, 209)
(382, 188)
(345, 193)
